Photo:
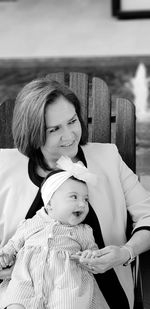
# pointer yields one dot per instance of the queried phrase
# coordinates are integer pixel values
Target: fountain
(140, 89)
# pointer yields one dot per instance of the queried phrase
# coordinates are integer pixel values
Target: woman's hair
(28, 126)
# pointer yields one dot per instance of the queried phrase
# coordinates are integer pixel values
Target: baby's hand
(6, 273)
(82, 258)
(76, 256)
(81, 255)
(86, 254)
(5, 260)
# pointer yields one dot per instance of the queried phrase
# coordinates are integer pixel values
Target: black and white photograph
(74, 154)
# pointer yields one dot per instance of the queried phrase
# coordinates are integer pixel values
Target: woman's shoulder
(101, 155)
(11, 158)
(8, 153)
(100, 149)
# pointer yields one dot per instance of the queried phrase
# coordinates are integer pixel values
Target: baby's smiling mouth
(78, 213)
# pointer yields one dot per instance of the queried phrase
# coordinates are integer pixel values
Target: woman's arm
(138, 204)
(139, 242)
(111, 256)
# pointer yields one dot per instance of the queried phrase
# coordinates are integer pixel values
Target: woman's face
(63, 131)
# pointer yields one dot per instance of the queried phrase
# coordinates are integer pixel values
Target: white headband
(78, 170)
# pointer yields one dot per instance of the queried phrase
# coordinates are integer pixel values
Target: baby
(44, 274)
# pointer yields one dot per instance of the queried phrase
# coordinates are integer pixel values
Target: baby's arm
(88, 244)
(8, 254)
(9, 251)
(6, 259)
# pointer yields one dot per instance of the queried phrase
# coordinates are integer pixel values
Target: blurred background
(40, 36)
(43, 36)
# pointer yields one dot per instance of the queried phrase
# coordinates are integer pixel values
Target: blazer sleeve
(136, 196)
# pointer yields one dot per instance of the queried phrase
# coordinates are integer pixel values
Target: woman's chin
(70, 151)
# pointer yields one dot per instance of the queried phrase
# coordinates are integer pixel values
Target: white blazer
(117, 190)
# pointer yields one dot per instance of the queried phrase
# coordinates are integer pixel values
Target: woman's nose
(66, 134)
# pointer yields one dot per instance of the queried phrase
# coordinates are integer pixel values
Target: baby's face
(69, 204)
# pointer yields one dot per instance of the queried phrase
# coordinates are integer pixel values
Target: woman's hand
(99, 261)
(6, 273)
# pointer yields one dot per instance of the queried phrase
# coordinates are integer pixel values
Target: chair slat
(125, 131)
(6, 112)
(79, 84)
(59, 77)
(101, 123)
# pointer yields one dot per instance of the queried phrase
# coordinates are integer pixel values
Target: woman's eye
(72, 121)
(53, 130)
(86, 200)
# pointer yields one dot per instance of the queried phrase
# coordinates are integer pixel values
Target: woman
(47, 124)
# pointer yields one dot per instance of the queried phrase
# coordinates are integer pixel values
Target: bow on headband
(78, 170)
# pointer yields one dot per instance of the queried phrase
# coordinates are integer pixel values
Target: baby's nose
(82, 203)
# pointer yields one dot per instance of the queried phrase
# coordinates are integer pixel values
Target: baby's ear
(49, 206)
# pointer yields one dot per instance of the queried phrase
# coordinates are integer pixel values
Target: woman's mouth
(68, 144)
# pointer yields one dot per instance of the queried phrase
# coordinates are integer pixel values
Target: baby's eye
(74, 196)
(86, 200)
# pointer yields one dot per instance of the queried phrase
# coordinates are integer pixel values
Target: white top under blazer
(117, 190)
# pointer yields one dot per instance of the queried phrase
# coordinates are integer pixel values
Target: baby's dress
(44, 276)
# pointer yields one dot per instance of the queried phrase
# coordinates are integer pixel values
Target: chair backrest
(108, 119)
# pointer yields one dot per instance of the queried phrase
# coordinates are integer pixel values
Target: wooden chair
(108, 120)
